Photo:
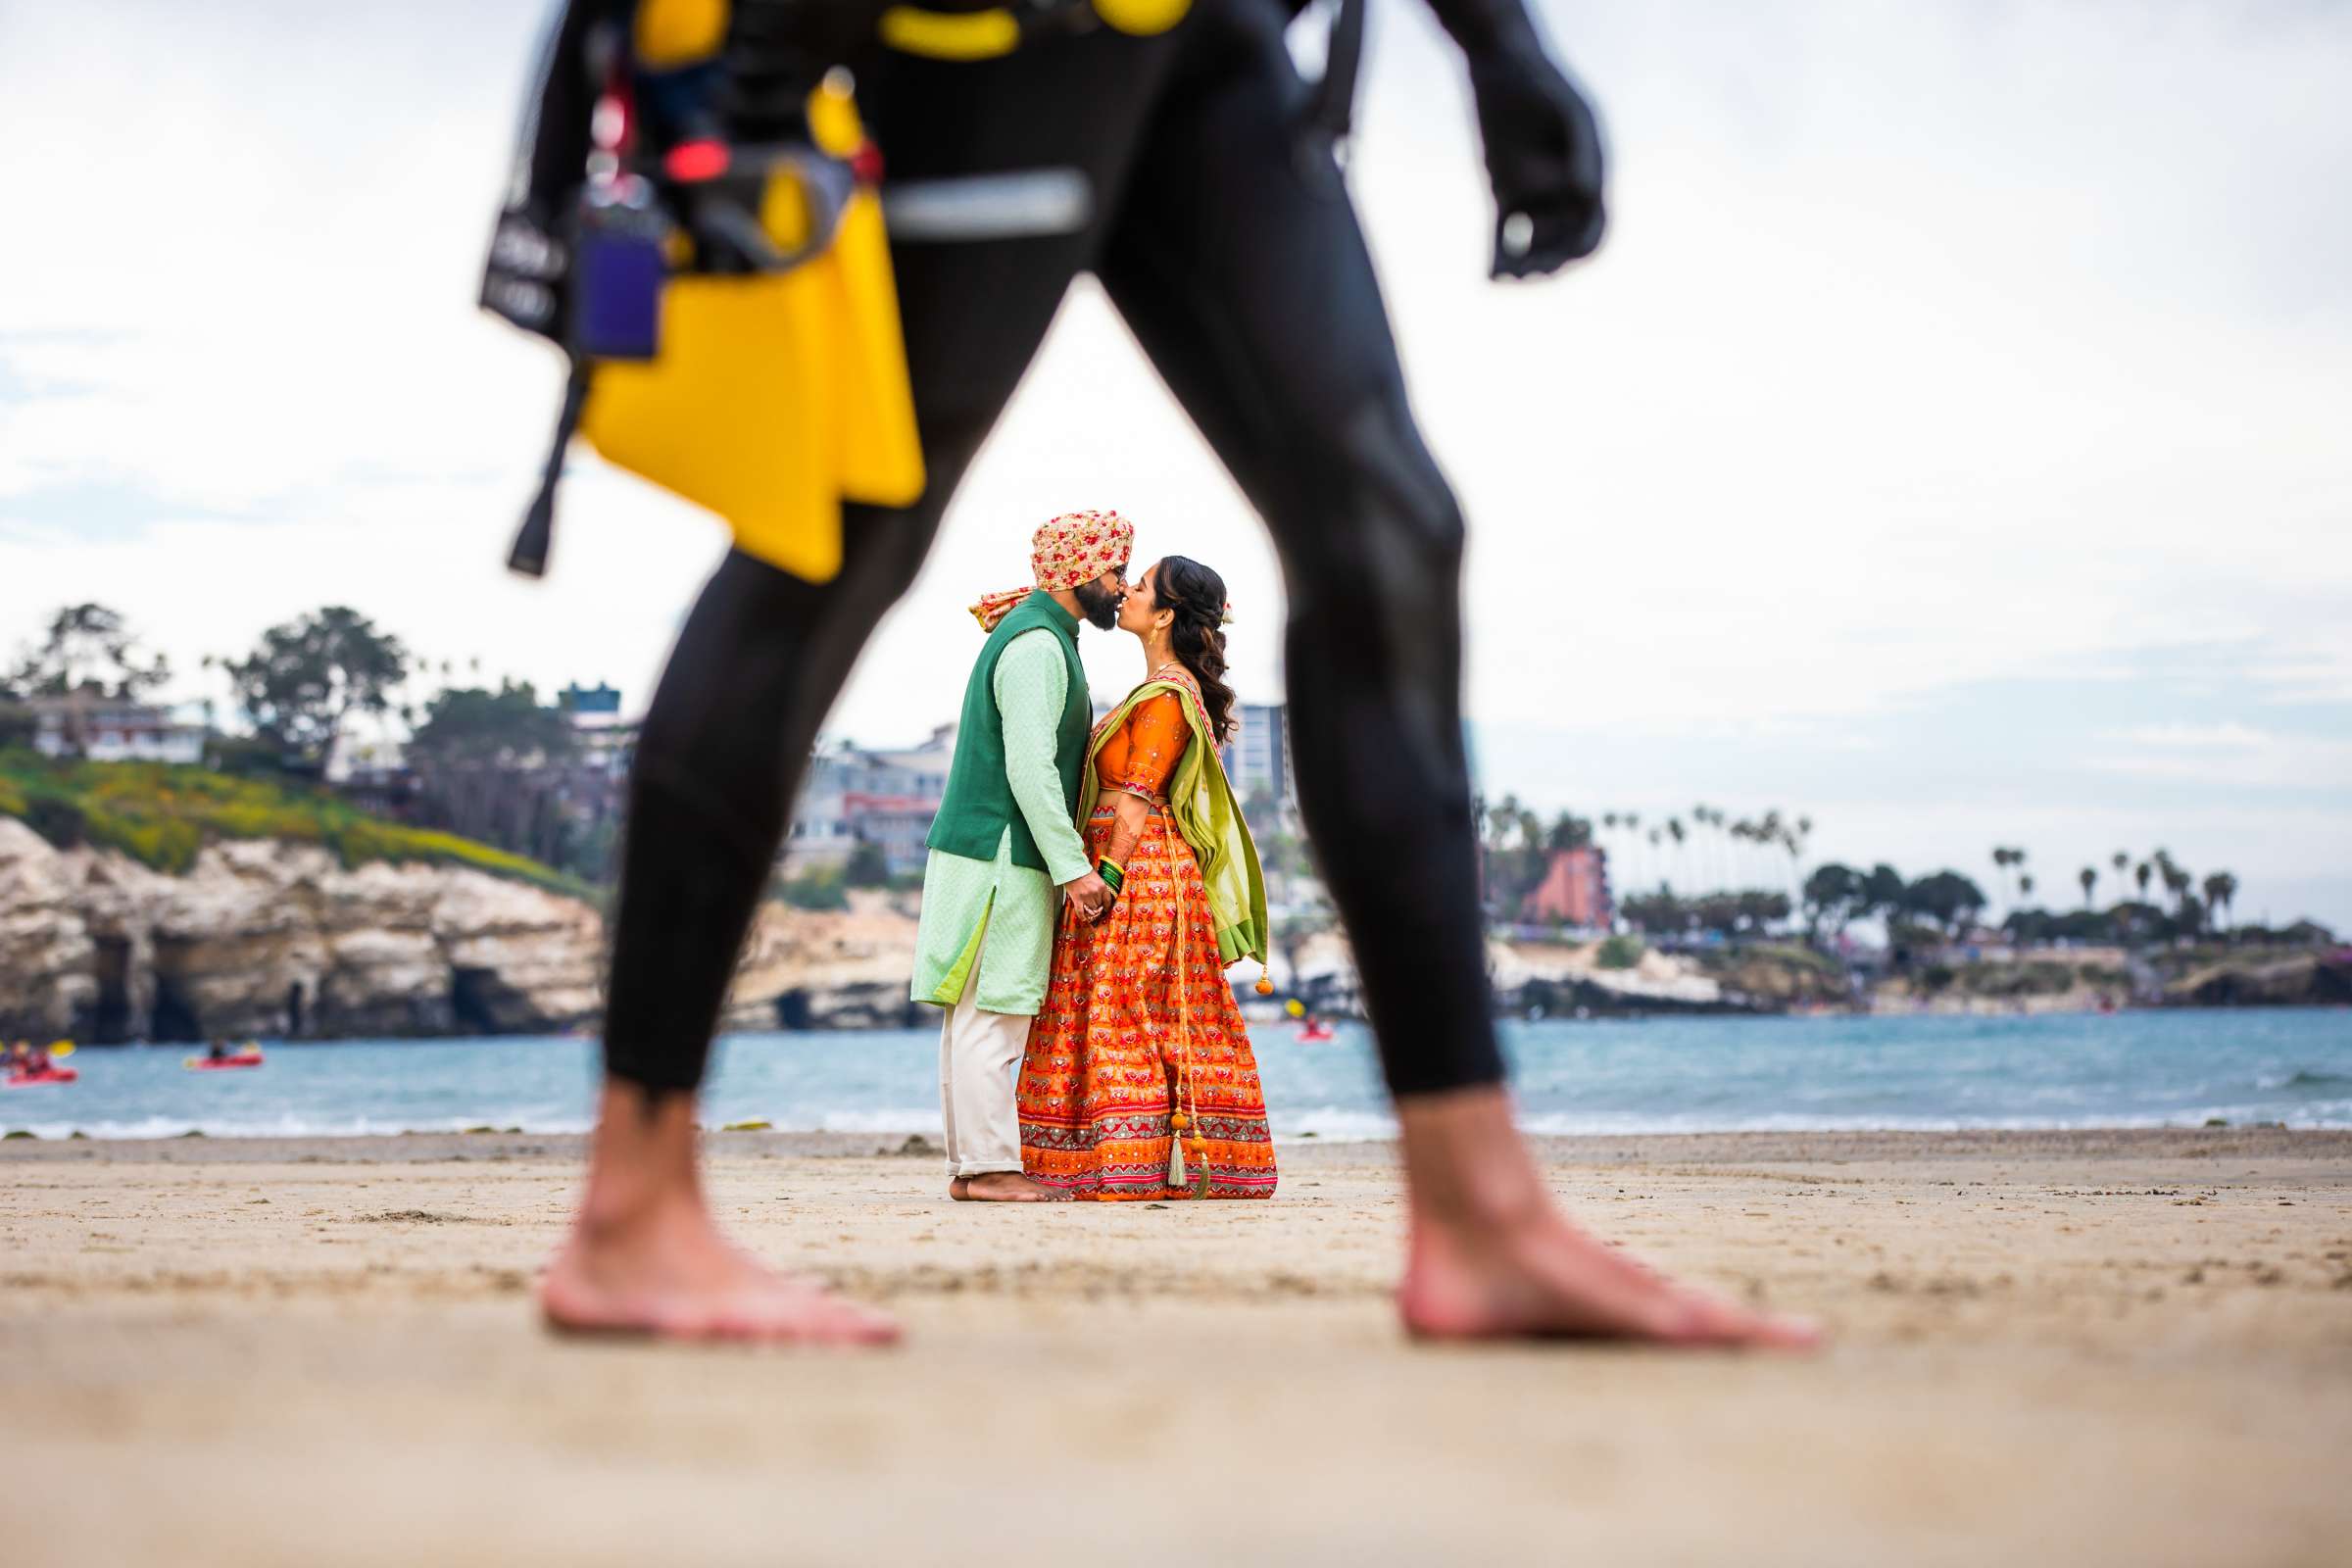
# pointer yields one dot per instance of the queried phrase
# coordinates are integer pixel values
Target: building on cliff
(1574, 892)
(857, 794)
(107, 729)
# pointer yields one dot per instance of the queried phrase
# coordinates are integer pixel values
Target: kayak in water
(250, 1056)
(40, 1075)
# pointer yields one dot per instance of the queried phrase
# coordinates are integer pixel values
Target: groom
(1005, 840)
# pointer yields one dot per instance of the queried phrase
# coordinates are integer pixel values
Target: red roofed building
(1575, 890)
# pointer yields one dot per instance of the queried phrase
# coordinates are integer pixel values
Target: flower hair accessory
(1226, 619)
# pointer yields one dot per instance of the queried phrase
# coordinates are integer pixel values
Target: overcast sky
(1950, 442)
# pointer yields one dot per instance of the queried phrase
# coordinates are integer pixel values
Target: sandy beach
(2126, 1348)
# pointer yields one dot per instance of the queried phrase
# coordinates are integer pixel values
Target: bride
(1138, 1080)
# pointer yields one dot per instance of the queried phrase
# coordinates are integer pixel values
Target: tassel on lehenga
(1178, 1179)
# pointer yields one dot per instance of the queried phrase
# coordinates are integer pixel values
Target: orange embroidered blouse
(1145, 752)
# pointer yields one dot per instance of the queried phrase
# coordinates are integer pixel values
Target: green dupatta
(1201, 803)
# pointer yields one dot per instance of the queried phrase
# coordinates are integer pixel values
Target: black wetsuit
(1224, 234)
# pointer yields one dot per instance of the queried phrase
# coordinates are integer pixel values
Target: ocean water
(2138, 1069)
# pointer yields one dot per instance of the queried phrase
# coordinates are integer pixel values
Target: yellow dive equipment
(670, 34)
(777, 395)
(998, 30)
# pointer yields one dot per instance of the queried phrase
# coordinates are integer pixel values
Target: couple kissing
(1088, 884)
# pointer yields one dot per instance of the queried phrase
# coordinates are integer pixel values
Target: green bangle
(1112, 872)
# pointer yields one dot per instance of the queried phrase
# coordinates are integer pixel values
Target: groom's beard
(1100, 604)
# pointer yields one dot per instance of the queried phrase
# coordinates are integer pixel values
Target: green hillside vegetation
(161, 815)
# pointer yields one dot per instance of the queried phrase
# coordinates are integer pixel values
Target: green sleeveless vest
(978, 805)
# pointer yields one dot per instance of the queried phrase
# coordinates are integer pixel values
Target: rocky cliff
(263, 938)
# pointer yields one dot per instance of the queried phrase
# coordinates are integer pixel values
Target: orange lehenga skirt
(1135, 1027)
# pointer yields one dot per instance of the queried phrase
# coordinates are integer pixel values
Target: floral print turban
(1074, 548)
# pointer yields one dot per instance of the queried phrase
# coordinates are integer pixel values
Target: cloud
(85, 509)
(2234, 755)
(2198, 737)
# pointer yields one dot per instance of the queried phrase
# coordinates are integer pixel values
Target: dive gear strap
(1334, 108)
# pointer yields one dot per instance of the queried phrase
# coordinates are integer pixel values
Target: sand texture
(2130, 1348)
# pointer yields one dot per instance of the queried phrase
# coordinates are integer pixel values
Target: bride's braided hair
(1198, 597)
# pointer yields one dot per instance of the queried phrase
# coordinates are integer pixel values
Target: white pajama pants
(979, 1066)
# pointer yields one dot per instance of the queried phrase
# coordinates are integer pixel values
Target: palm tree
(1793, 839)
(2141, 875)
(2008, 862)
(2221, 891)
(2121, 861)
(2176, 878)
(2024, 886)
(2088, 876)
(1673, 831)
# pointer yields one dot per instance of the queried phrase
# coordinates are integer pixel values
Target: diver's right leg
(1239, 264)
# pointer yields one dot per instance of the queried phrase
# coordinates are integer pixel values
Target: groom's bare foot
(645, 1257)
(1489, 1256)
(1003, 1187)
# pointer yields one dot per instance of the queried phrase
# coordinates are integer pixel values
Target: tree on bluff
(310, 677)
(86, 655)
(496, 765)
(1948, 898)
(86, 648)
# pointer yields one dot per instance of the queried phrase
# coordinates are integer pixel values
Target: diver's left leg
(758, 666)
(1238, 262)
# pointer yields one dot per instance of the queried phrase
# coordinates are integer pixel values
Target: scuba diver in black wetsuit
(1199, 181)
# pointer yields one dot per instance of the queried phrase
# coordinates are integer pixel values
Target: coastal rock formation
(46, 955)
(1555, 979)
(1550, 979)
(269, 938)
(829, 969)
(2261, 979)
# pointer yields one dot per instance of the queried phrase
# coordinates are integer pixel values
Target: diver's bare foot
(1006, 1187)
(672, 1275)
(1490, 1256)
(645, 1257)
(1544, 1278)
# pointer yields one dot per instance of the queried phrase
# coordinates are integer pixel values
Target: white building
(109, 730)
(854, 795)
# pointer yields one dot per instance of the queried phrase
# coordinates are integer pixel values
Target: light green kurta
(1015, 904)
